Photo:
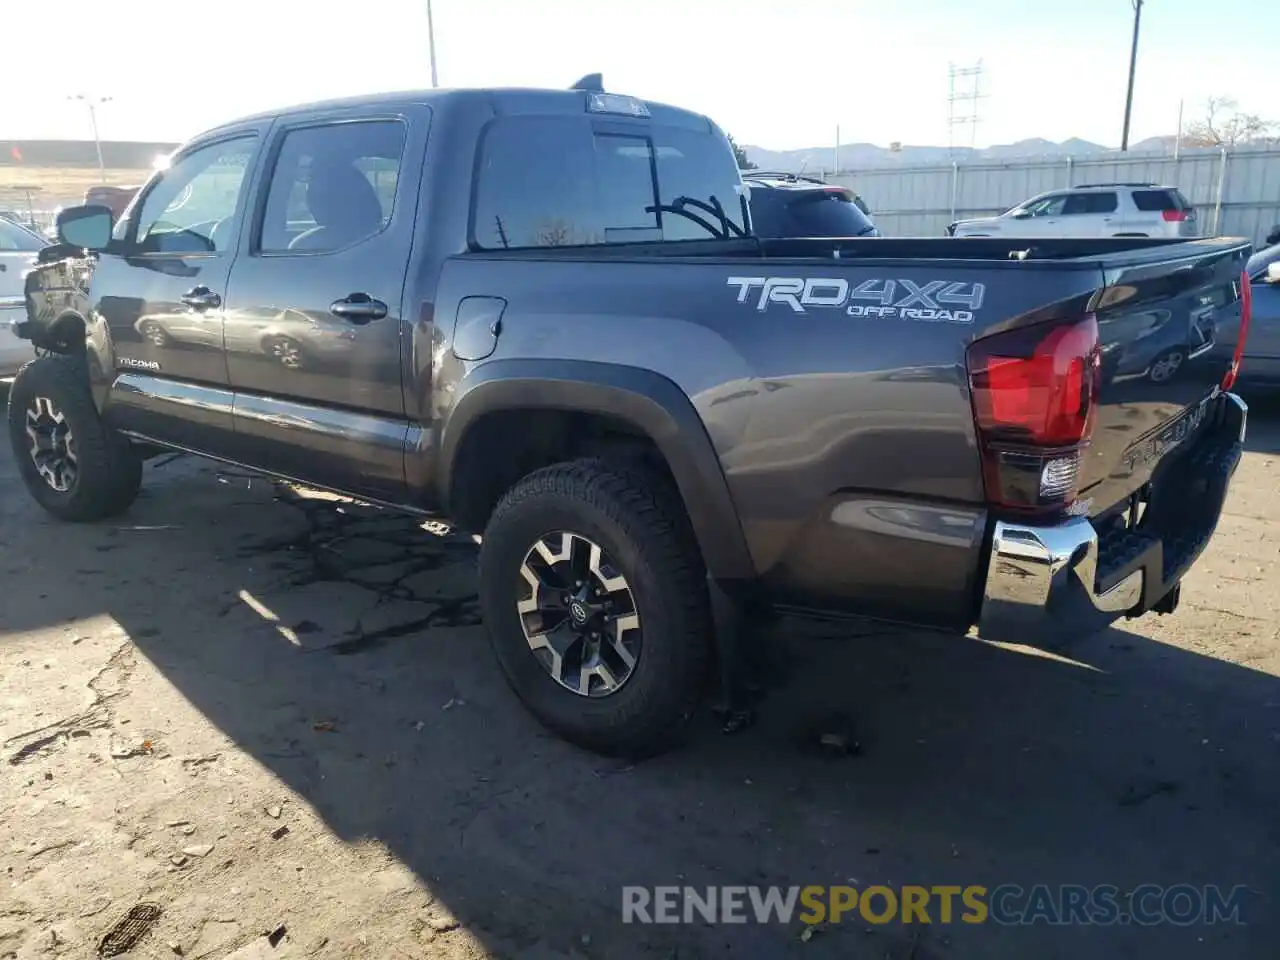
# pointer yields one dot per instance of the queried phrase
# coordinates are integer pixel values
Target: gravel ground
(274, 717)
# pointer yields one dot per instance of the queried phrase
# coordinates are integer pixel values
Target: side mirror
(1022, 215)
(88, 226)
(1273, 272)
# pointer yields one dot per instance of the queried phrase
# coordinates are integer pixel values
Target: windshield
(1026, 205)
(17, 238)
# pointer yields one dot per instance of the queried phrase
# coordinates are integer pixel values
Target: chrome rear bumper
(1047, 582)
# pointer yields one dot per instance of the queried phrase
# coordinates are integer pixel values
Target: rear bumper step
(1046, 583)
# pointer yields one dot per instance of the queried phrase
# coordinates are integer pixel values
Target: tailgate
(1166, 319)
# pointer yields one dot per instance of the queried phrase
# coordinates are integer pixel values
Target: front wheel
(287, 352)
(71, 463)
(595, 602)
(155, 334)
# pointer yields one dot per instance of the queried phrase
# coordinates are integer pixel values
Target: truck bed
(826, 423)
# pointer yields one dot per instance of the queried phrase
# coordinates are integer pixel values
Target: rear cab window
(565, 180)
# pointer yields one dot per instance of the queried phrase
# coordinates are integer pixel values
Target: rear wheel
(70, 462)
(1166, 366)
(594, 598)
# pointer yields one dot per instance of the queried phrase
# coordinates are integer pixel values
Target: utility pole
(1177, 143)
(1133, 66)
(93, 103)
(431, 44)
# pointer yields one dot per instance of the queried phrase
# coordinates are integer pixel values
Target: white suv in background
(1092, 210)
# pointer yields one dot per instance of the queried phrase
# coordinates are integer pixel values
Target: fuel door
(477, 326)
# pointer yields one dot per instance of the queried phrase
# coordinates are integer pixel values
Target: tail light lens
(1246, 314)
(1174, 216)
(1035, 396)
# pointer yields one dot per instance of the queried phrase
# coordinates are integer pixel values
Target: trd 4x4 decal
(901, 299)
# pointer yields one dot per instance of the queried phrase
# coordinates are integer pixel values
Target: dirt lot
(354, 775)
(58, 186)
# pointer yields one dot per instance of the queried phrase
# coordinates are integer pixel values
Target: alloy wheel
(1164, 368)
(288, 353)
(53, 449)
(579, 615)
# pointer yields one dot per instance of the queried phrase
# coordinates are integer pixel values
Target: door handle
(201, 298)
(358, 308)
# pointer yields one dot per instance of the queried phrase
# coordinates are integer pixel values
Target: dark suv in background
(789, 205)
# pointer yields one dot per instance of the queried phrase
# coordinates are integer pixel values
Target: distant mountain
(854, 155)
(1155, 144)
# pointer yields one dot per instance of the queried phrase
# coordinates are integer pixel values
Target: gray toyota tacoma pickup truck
(544, 316)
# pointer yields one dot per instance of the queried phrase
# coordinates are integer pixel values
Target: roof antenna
(594, 82)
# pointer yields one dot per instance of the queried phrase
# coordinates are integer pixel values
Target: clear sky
(780, 74)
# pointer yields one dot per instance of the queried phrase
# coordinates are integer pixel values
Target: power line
(964, 92)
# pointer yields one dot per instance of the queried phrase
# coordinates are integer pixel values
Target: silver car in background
(18, 249)
(1261, 363)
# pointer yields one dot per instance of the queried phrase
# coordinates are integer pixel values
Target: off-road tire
(637, 518)
(109, 471)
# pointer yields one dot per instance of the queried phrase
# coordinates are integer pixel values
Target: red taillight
(1043, 395)
(1246, 314)
(1174, 216)
(1035, 395)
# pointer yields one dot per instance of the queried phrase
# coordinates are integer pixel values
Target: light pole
(431, 44)
(93, 103)
(1133, 64)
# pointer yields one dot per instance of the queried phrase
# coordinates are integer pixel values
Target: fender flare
(645, 400)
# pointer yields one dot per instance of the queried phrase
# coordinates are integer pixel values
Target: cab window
(191, 209)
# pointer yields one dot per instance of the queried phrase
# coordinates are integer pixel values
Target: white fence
(1235, 192)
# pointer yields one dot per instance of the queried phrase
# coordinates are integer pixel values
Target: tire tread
(112, 469)
(645, 505)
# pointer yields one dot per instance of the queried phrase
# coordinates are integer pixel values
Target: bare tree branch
(1224, 125)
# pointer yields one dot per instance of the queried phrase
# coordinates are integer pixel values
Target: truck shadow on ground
(1263, 435)
(1119, 761)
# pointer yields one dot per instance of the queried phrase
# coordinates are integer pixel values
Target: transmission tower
(964, 92)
